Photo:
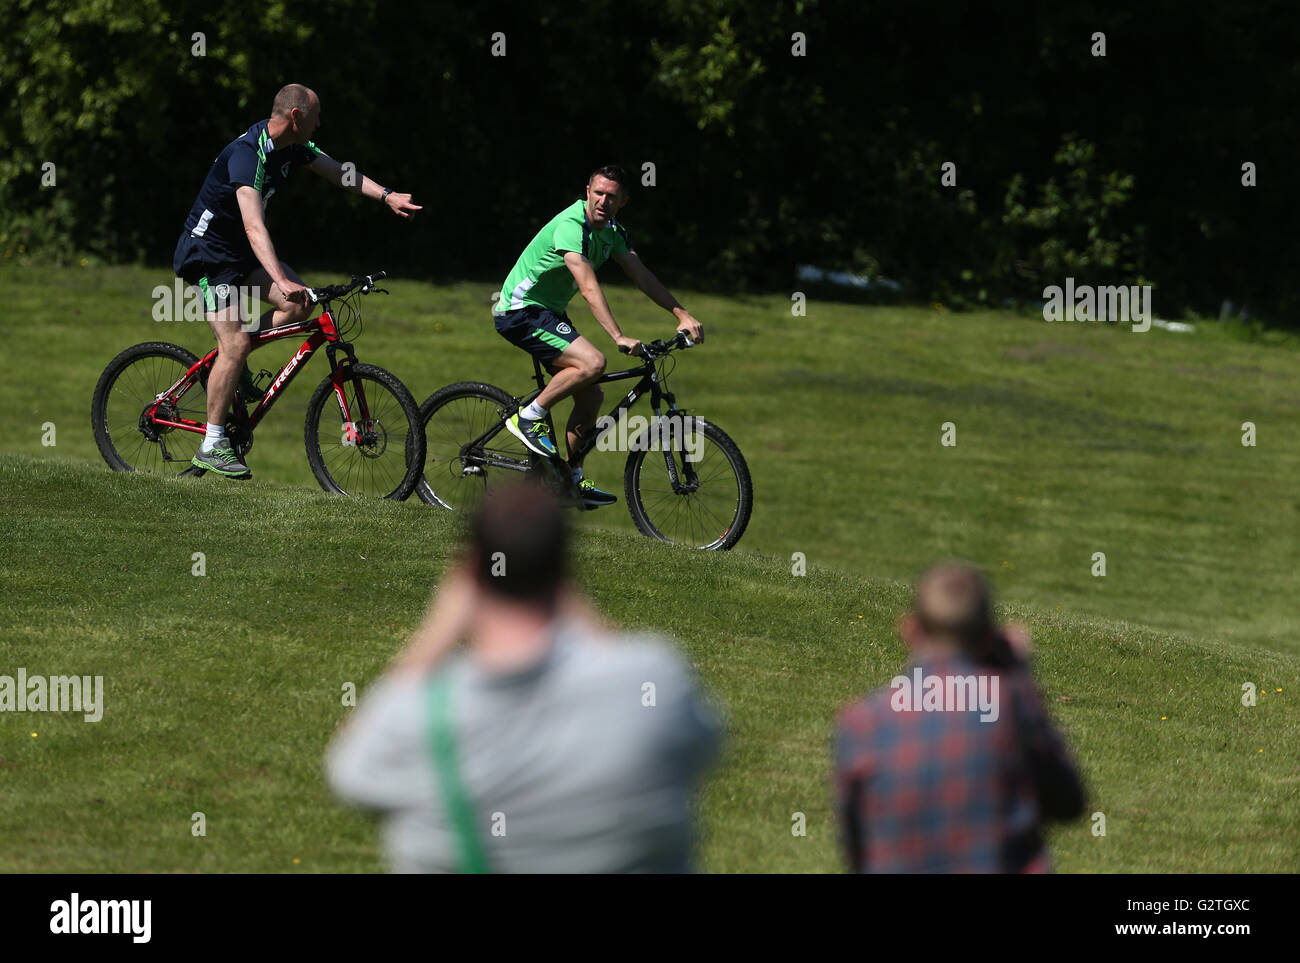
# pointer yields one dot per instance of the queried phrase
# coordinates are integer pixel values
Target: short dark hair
(519, 540)
(615, 173)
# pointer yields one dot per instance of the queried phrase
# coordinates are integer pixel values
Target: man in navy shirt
(225, 246)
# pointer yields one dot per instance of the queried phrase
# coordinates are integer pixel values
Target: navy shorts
(218, 283)
(538, 330)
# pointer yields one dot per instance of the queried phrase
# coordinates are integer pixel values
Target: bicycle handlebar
(332, 291)
(658, 348)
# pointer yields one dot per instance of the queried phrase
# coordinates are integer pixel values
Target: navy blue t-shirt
(214, 231)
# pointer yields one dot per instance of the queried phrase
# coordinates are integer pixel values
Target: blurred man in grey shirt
(550, 745)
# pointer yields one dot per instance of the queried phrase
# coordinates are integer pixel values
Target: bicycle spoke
(455, 476)
(369, 456)
(129, 386)
(703, 517)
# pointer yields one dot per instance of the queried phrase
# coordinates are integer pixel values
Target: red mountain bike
(150, 406)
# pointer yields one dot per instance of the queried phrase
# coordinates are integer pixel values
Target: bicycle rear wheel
(127, 436)
(376, 454)
(458, 473)
(711, 505)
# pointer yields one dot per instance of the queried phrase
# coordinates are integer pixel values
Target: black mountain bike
(149, 412)
(685, 479)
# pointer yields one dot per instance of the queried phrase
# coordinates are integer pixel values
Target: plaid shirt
(943, 791)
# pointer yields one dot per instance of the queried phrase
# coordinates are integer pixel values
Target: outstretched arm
(334, 172)
(654, 289)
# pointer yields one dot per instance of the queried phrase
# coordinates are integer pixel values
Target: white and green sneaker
(222, 460)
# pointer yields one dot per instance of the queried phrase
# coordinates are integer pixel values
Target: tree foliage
(768, 153)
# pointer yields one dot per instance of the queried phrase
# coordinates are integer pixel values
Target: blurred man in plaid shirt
(954, 767)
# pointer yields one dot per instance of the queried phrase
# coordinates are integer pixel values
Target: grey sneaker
(222, 460)
(535, 434)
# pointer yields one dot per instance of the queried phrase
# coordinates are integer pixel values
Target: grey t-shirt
(585, 762)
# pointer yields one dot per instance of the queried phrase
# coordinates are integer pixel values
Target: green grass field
(1072, 439)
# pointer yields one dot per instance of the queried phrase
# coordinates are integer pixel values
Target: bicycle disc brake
(369, 437)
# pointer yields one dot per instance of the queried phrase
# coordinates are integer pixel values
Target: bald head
(953, 606)
(293, 97)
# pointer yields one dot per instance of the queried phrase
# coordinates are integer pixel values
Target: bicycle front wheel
(369, 442)
(461, 464)
(126, 409)
(710, 505)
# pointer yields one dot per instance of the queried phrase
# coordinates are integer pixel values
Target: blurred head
(607, 192)
(518, 546)
(952, 608)
(299, 108)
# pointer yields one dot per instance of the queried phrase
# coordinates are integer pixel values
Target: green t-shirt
(540, 276)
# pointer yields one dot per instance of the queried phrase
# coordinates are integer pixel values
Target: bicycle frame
(323, 332)
(649, 382)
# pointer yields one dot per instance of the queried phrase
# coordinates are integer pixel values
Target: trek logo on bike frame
(287, 373)
(666, 432)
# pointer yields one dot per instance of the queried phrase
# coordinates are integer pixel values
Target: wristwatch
(384, 196)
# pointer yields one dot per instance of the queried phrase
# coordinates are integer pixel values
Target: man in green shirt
(530, 313)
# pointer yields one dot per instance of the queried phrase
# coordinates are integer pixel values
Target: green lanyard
(459, 810)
